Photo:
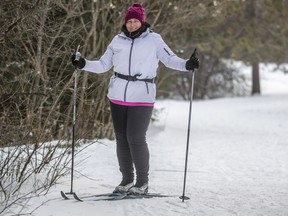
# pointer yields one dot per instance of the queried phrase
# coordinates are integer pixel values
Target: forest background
(38, 37)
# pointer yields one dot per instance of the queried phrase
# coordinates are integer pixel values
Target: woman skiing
(134, 55)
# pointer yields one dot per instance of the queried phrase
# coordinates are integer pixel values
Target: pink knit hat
(135, 11)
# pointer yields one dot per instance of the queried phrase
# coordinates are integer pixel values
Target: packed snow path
(238, 163)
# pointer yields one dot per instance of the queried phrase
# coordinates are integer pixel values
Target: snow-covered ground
(238, 163)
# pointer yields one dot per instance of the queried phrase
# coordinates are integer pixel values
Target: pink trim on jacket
(131, 103)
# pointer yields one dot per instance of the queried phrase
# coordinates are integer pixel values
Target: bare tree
(28, 108)
(252, 32)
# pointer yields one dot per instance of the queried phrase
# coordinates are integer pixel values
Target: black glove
(193, 62)
(78, 63)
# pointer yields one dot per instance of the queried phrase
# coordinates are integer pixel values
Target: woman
(134, 54)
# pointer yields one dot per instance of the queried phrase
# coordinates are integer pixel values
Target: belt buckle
(131, 78)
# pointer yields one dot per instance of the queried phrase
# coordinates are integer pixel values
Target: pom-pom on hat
(135, 11)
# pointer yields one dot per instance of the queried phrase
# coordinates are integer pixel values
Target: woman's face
(133, 25)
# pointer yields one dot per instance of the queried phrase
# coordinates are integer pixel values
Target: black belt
(133, 78)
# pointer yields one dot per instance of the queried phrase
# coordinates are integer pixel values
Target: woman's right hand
(77, 60)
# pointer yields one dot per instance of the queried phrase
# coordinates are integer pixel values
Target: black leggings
(130, 126)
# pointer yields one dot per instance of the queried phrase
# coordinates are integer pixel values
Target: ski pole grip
(194, 53)
(78, 54)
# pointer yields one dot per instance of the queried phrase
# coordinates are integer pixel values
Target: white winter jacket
(135, 56)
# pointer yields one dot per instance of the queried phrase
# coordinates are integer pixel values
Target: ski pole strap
(133, 78)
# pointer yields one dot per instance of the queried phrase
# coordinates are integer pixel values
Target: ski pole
(73, 126)
(183, 197)
(74, 119)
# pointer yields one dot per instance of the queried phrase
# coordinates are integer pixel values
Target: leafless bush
(29, 170)
(213, 79)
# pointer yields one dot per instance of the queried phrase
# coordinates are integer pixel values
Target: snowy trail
(243, 169)
(237, 163)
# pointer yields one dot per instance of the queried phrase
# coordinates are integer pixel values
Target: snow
(237, 161)
(273, 81)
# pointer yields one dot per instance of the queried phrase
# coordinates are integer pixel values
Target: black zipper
(147, 87)
(129, 69)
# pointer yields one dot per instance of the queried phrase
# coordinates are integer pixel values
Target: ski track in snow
(237, 163)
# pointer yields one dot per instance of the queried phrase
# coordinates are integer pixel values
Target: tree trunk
(255, 78)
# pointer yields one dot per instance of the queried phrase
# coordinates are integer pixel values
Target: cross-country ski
(117, 196)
